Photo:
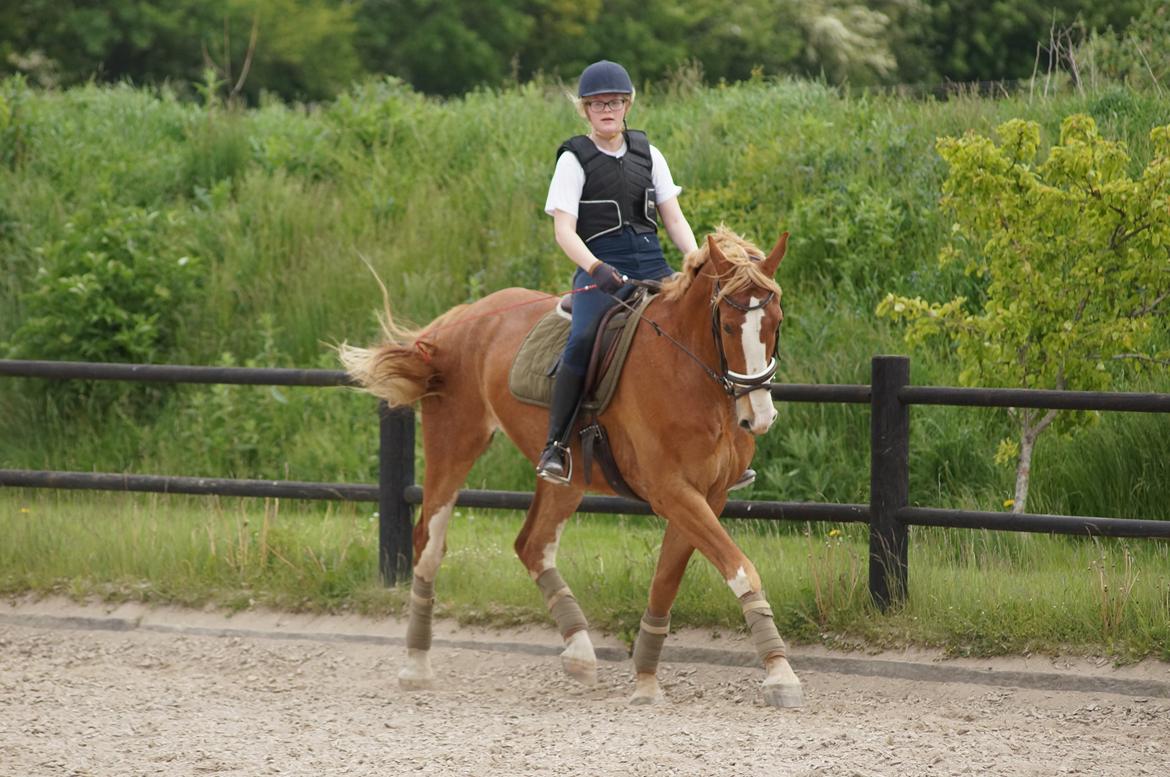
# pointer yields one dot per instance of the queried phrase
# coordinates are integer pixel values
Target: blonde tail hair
(401, 370)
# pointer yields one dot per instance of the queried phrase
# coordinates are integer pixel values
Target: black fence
(888, 513)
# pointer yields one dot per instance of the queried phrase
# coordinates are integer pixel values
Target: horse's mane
(741, 254)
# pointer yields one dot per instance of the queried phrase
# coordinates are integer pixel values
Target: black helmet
(604, 77)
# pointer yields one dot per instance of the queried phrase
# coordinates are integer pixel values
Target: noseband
(734, 383)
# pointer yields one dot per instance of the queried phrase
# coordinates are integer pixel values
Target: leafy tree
(1138, 55)
(443, 46)
(304, 48)
(971, 40)
(1075, 255)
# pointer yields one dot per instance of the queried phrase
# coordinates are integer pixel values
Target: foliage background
(252, 222)
(313, 49)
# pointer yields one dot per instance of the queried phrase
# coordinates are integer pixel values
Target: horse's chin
(755, 412)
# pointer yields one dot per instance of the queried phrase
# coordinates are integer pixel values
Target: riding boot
(556, 463)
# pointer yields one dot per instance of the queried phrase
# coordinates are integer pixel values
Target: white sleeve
(664, 186)
(568, 181)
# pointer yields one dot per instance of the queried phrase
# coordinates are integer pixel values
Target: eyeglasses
(597, 106)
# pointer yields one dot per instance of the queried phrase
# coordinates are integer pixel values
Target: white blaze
(428, 562)
(763, 412)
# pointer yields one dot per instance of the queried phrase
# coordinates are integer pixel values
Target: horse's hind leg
(451, 443)
(536, 546)
(672, 563)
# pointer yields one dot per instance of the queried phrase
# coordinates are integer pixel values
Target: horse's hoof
(646, 690)
(784, 695)
(583, 672)
(640, 699)
(411, 679)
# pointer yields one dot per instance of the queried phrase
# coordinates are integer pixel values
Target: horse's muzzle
(755, 411)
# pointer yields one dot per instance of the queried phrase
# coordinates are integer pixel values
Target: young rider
(607, 193)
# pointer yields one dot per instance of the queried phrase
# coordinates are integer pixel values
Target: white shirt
(568, 181)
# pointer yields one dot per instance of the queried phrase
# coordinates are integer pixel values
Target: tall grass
(970, 592)
(444, 198)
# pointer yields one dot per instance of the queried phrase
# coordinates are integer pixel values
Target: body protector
(618, 192)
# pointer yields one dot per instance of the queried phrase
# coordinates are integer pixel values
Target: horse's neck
(688, 320)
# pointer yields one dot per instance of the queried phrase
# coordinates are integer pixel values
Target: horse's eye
(727, 328)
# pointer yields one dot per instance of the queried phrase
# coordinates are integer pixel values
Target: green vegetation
(105, 191)
(970, 592)
(311, 49)
(1072, 253)
(213, 235)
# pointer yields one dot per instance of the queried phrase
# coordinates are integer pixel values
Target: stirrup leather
(566, 475)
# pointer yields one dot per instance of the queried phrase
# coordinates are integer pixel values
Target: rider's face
(606, 112)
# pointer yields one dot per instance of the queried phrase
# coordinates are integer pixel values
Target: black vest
(618, 192)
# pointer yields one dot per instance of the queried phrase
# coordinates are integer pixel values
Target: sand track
(90, 691)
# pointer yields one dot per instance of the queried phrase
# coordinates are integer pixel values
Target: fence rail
(888, 513)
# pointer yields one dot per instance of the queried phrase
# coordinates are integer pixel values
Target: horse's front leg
(672, 564)
(696, 521)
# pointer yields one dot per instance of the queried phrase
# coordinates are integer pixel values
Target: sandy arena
(89, 690)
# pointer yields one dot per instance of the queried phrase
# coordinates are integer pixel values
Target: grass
(971, 593)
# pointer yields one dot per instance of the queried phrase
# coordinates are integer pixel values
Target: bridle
(737, 384)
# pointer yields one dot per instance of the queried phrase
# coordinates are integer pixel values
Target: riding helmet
(604, 77)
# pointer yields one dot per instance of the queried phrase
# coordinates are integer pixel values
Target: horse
(693, 395)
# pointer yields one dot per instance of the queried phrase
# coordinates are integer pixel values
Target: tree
(997, 39)
(1075, 259)
(304, 48)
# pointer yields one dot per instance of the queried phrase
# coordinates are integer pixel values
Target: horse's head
(745, 320)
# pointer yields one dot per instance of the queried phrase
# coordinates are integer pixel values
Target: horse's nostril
(746, 425)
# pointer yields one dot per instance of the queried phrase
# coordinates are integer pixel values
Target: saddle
(534, 367)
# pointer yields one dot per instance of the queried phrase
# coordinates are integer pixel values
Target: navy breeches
(636, 256)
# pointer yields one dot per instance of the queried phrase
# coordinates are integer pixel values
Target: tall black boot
(556, 463)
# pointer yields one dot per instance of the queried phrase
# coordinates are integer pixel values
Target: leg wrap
(765, 636)
(648, 646)
(561, 603)
(422, 604)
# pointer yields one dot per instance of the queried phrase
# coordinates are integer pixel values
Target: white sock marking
(549, 559)
(740, 584)
(428, 562)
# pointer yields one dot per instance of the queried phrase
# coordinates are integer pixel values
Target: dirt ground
(88, 690)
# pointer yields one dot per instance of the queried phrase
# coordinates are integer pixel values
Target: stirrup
(746, 479)
(552, 470)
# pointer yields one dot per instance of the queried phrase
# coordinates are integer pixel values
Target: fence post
(889, 482)
(395, 473)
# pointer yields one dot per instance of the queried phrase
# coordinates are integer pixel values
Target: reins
(734, 384)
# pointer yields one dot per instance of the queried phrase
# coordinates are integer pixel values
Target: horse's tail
(401, 370)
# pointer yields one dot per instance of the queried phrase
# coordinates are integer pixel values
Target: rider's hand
(607, 278)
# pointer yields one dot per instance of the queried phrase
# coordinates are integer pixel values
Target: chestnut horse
(681, 426)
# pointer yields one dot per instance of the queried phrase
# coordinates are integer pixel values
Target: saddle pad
(531, 378)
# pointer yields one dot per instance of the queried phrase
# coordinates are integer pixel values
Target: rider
(605, 198)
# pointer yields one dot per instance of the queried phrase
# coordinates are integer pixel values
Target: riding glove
(607, 277)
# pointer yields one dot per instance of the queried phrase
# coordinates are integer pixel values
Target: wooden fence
(889, 513)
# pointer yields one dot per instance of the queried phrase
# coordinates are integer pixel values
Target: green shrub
(111, 288)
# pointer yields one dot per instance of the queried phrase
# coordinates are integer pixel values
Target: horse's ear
(718, 261)
(772, 263)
